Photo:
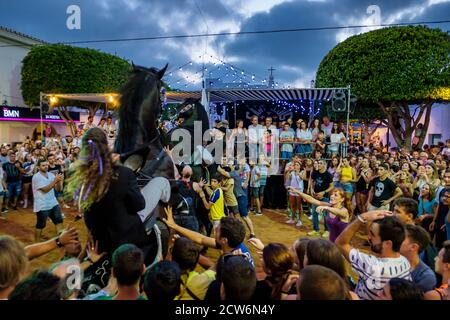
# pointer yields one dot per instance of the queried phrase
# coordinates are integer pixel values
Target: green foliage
(362, 111)
(405, 63)
(67, 69)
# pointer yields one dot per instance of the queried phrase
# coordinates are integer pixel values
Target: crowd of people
(384, 212)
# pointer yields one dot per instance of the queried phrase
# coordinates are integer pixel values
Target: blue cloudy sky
(295, 56)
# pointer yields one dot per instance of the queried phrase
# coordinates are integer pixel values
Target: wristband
(58, 243)
(361, 219)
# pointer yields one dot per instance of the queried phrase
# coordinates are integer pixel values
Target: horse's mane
(142, 83)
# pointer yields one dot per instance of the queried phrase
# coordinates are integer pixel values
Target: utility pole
(271, 78)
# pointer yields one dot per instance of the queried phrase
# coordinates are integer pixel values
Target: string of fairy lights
(229, 75)
(300, 106)
(222, 74)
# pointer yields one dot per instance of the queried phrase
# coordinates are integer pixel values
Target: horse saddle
(135, 159)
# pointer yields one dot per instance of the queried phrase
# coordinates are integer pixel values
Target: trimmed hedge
(66, 69)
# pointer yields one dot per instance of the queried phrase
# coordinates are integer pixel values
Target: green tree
(65, 69)
(394, 68)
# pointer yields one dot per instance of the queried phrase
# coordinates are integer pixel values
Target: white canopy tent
(219, 95)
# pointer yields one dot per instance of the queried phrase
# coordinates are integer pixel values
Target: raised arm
(51, 185)
(36, 250)
(194, 236)
(341, 212)
(308, 198)
(223, 172)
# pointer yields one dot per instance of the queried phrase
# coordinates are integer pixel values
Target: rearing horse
(139, 144)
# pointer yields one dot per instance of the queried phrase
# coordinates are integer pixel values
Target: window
(434, 138)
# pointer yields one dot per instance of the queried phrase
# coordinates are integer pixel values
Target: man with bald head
(182, 200)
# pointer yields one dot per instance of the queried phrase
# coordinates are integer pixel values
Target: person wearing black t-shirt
(322, 183)
(56, 169)
(13, 177)
(382, 190)
(441, 213)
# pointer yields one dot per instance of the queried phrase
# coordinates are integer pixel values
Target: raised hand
(169, 214)
(92, 251)
(257, 243)
(168, 151)
(375, 215)
(69, 236)
(320, 209)
(115, 157)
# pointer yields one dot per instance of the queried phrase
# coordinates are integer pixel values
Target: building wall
(10, 68)
(15, 131)
(439, 124)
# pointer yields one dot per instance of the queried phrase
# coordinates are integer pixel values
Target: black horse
(140, 146)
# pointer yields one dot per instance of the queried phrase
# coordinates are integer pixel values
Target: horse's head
(140, 106)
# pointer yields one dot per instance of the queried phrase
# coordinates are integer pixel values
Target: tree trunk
(407, 132)
(68, 120)
(426, 123)
(403, 133)
(93, 109)
(395, 131)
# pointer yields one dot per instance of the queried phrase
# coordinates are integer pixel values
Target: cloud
(384, 14)
(249, 8)
(294, 55)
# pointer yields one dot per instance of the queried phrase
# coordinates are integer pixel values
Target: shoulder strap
(189, 291)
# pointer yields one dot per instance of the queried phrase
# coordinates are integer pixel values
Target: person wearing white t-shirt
(45, 202)
(336, 139)
(446, 150)
(270, 126)
(386, 235)
(255, 134)
(326, 126)
(89, 124)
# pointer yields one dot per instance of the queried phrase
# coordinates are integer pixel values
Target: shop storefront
(18, 123)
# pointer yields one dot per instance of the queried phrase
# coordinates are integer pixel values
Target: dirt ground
(270, 227)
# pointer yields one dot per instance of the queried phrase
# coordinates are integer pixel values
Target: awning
(219, 95)
(270, 94)
(90, 97)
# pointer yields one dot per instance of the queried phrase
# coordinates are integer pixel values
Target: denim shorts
(14, 189)
(243, 205)
(255, 191)
(286, 155)
(347, 186)
(54, 214)
(233, 209)
(261, 190)
(2, 194)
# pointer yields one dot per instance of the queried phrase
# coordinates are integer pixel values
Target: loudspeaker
(339, 101)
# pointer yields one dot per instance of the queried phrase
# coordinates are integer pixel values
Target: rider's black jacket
(113, 220)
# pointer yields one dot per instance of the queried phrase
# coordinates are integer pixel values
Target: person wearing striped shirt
(386, 235)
